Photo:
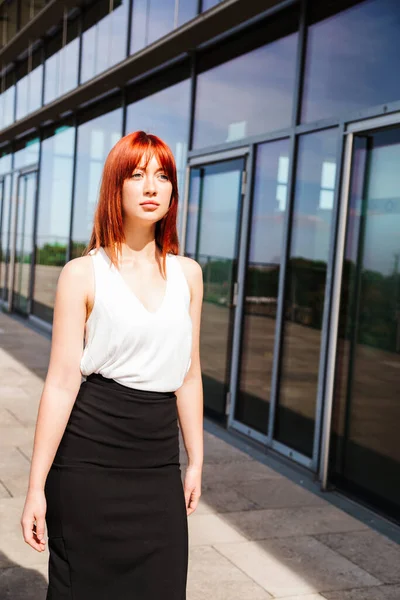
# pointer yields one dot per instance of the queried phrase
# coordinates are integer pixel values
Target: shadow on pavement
(19, 583)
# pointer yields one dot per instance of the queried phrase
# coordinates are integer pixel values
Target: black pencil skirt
(116, 515)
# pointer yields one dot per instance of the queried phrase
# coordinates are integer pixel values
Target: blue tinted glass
(206, 4)
(7, 107)
(54, 216)
(269, 207)
(161, 18)
(349, 60)
(139, 33)
(29, 92)
(166, 114)
(311, 238)
(61, 73)
(95, 140)
(104, 41)
(247, 95)
(187, 11)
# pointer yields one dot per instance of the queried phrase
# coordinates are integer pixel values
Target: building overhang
(211, 25)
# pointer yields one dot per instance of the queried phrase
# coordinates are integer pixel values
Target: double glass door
(23, 267)
(365, 451)
(212, 239)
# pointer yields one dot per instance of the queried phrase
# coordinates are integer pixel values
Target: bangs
(141, 152)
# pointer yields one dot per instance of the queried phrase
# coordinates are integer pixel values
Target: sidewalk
(256, 534)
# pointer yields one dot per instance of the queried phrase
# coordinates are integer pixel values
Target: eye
(164, 177)
(136, 175)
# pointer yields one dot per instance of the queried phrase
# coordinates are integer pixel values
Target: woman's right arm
(60, 389)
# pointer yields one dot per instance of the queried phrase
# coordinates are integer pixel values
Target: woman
(105, 472)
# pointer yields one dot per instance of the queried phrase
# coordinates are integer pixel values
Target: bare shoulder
(77, 270)
(193, 273)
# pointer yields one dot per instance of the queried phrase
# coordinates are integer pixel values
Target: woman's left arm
(190, 394)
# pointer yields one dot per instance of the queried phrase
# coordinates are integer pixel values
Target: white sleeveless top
(126, 342)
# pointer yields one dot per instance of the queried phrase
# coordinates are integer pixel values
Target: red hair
(121, 161)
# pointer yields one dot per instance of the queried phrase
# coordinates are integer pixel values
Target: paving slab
(279, 493)
(384, 592)
(373, 552)
(238, 472)
(287, 522)
(210, 529)
(295, 566)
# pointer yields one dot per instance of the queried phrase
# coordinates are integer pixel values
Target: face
(147, 192)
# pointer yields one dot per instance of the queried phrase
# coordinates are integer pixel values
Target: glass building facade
(285, 126)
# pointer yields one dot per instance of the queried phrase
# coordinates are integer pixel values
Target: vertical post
(334, 317)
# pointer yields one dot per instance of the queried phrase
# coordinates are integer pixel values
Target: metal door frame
(29, 170)
(245, 152)
(351, 130)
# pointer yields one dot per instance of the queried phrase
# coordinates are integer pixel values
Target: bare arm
(190, 394)
(61, 385)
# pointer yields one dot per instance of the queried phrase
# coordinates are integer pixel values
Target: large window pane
(54, 217)
(104, 38)
(350, 59)
(5, 200)
(161, 18)
(95, 139)
(261, 287)
(206, 4)
(7, 96)
(61, 72)
(152, 19)
(365, 456)
(305, 289)
(248, 93)
(29, 86)
(166, 114)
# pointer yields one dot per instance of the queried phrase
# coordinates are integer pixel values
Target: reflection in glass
(7, 100)
(29, 87)
(311, 234)
(166, 114)
(5, 189)
(365, 438)
(104, 37)
(187, 11)
(61, 72)
(216, 250)
(54, 216)
(259, 84)
(348, 63)
(152, 19)
(26, 194)
(95, 140)
(206, 4)
(261, 285)
(161, 15)
(139, 31)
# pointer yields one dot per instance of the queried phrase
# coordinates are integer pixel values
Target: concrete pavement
(261, 530)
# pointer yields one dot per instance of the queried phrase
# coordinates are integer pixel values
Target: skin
(139, 261)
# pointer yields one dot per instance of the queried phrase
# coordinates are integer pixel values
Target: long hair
(121, 161)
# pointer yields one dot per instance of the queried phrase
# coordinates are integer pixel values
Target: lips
(149, 204)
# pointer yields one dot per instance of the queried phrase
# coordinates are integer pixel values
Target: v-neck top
(124, 341)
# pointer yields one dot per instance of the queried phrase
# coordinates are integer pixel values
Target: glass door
(5, 203)
(364, 441)
(2, 249)
(212, 239)
(24, 254)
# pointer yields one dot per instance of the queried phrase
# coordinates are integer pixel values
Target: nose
(149, 186)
